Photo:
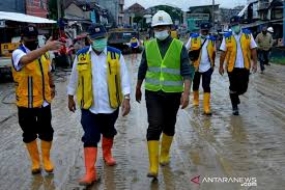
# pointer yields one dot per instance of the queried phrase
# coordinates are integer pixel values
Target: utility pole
(58, 9)
(283, 23)
(117, 11)
(213, 11)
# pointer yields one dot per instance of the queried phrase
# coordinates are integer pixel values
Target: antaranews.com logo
(243, 181)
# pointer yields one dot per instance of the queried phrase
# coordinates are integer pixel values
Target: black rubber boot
(235, 101)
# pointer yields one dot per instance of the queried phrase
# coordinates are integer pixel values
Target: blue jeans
(96, 124)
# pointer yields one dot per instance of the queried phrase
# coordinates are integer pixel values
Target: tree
(137, 19)
(175, 13)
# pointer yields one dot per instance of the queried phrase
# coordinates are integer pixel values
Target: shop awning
(20, 17)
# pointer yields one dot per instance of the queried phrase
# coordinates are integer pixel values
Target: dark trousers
(239, 79)
(206, 80)
(36, 122)
(96, 124)
(162, 110)
(263, 57)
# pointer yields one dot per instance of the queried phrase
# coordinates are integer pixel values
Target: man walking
(135, 45)
(238, 47)
(35, 90)
(264, 42)
(204, 65)
(165, 66)
(101, 83)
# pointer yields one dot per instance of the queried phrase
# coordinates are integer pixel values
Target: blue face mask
(236, 29)
(100, 44)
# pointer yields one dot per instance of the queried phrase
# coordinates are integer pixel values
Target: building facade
(226, 13)
(37, 8)
(133, 11)
(263, 10)
(30, 7)
(260, 13)
(88, 11)
(13, 6)
(116, 8)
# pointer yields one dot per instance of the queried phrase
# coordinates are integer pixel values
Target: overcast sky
(185, 4)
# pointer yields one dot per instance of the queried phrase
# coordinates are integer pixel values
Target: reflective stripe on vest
(32, 83)
(84, 90)
(196, 44)
(163, 74)
(164, 70)
(165, 83)
(231, 51)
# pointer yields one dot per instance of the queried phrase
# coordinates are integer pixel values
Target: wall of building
(75, 12)
(112, 6)
(13, 6)
(134, 10)
(37, 8)
(115, 7)
(226, 14)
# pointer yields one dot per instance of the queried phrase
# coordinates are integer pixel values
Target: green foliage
(175, 13)
(138, 19)
(278, 60)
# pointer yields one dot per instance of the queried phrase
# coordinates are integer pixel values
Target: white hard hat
(161, 18)
(270, 29)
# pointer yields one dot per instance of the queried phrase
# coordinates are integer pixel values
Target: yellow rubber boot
(207, 109)
(107, 145)
(48, 165)
(153, 148)
(32, 148)
(195, 98)
(90, 156)
(165, 147)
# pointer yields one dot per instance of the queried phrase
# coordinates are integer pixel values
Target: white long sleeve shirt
(239, 57)
(205, 63)
(99, 81)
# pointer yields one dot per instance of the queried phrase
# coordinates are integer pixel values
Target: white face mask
(161, 35)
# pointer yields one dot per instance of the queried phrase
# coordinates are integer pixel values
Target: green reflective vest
(163, 74)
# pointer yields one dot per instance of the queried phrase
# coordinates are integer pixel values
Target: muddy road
(221, 146)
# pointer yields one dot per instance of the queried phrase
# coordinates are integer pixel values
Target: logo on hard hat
(31, 29)
(97, 29)
(160, 18)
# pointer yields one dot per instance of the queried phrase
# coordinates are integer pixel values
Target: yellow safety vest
(84, 90)
(196, 44)
(33, 83)
(231, 50)
(134, 43)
